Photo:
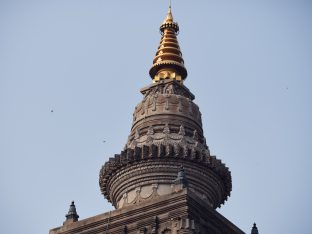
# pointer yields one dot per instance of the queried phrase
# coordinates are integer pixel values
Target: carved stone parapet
(166, 135)
(181, 212)
(144, 193)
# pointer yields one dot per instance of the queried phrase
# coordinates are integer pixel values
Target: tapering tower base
(179, 212)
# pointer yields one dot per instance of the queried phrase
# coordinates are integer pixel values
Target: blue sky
(250, 68)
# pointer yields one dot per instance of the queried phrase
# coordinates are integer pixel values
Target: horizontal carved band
(161, 152)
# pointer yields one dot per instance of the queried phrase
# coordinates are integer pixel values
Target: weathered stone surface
(167, 114)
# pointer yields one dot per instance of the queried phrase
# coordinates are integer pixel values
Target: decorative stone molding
(165, 137)
(167, 97)
(143, 193)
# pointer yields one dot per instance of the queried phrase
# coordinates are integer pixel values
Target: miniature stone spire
(181, 178)
(168, 62)
(72, 215)
(254, 229)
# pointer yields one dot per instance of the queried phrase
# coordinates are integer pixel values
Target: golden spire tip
(169, 17)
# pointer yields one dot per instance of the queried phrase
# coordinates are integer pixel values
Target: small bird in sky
(52, 111)
(103, 141)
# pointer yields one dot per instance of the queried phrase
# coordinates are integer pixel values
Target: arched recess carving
(166, 231)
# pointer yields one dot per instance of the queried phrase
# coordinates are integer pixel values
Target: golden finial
(168, 62)
(169, 17)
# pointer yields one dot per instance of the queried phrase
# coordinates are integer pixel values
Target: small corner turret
(254, 229)
(72, 215)
(181, 181)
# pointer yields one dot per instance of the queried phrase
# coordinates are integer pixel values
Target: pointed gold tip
(169, 17)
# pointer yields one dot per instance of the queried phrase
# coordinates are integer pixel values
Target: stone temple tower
(165, 180)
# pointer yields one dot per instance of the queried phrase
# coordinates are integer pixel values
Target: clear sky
(250, 68)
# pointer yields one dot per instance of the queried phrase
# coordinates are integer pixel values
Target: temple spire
(72, 215)
(254, 229)
(168, 62)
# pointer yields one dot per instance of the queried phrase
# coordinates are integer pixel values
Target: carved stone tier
(167, 115)
(147, 172)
